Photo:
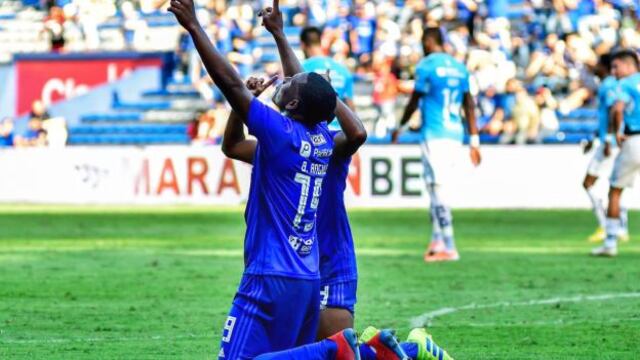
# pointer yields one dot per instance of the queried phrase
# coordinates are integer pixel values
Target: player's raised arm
(234, 143)
(220, 70)
(353, 133)
(272, 21)
(469, 108)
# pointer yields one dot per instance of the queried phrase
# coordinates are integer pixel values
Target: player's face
(287, 93)
(621, 68)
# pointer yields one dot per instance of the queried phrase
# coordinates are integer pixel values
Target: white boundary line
(100, 339)
(427, 317)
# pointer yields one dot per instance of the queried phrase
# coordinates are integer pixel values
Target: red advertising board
(53, 78)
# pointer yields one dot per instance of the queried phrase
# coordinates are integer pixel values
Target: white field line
(100, 339)
(415, 322)
(559, 322)
(427, 317)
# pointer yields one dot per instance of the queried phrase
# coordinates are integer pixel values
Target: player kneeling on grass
(276, 306)
(625, 65)
(377, 344)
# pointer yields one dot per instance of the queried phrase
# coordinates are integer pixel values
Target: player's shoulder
(610, 80)
(338, 66)
(425, 64)
(630, 82)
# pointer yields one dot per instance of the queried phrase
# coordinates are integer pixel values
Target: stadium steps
(174, 104)
(563, 138)
(111, 129)
(113, 117)
(580, 114)
(129, 139)
(177, 93)
(579, 127)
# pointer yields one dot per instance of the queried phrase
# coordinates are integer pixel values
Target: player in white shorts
(626, 168)
(441, 90)
(605, 151)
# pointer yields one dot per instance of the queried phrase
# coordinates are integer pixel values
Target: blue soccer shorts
(270, 313)
(339, 295)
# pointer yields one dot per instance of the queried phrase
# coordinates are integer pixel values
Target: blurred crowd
(531, 61)
(42, 130)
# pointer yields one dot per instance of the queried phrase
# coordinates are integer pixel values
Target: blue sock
(411, 349)
(323, 350)
(366, 352)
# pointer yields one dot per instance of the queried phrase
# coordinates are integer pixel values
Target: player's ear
(292, 105)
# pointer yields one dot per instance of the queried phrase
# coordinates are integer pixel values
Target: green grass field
(117, 283)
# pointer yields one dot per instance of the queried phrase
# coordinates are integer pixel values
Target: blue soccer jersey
(606, 99)
(442, 82)
(337, 254)
(341, 78)
(629, 93)
(289, 166)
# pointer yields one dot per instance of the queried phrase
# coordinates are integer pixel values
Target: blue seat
(129, 139)
(581, 114)
(168, 93)
(572, 126)
(562, 138)
(113, 117)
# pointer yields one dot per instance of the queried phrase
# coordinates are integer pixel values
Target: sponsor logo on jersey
(318, 139)
(301, 246)
(305, 149)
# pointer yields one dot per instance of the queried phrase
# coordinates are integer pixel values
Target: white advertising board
(380, 176)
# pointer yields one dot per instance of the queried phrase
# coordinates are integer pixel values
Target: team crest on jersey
(305, 149)
(318, 139)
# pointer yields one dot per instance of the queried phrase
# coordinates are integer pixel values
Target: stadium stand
(545, 47)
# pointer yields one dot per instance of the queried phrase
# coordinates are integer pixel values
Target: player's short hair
(627, 55)
(433, 33)
(311, 36)
(318, 98)
(605, 61)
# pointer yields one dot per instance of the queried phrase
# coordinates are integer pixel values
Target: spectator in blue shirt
(6, 133)
(362, 33)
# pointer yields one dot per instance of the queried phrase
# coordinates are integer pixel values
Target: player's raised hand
(185, 13)
(257, 85)
(476, 158)
(272, 18)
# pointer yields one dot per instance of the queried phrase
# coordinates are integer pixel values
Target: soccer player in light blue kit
(605, 152)
(441, 90)
(276, 306)
(626, 111)
(317, 61)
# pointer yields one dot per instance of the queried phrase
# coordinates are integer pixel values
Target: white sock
(436, 231)
(624, 221)
(446, 224)
(613, 229)
(598, 208)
